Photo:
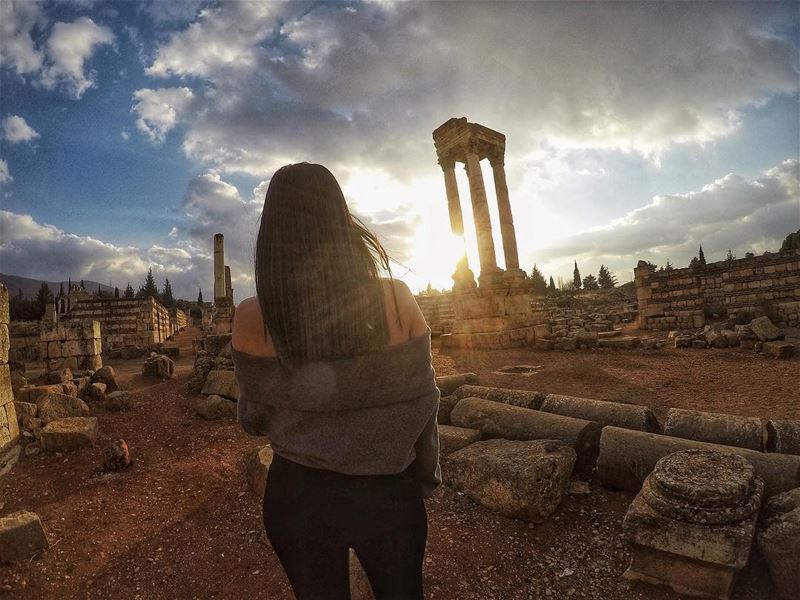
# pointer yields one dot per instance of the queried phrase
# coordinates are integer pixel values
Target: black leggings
(313, 516)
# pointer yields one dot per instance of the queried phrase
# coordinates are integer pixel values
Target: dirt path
(182, 523)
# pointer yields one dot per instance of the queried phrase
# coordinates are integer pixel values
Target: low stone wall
(438, 312)
(746, 288)
(74, 345)
(9, 430)
(125, 321)
(24, 336)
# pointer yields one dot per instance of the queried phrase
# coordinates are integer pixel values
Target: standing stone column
(483, 224)
(453, 201)
(219, 266)
(228, 286)
(504, 210)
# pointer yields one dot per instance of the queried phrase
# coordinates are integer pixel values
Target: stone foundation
(73, 344)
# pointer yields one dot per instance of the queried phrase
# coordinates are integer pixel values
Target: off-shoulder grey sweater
(373, 414)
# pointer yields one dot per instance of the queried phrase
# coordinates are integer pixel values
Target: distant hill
(29, 287)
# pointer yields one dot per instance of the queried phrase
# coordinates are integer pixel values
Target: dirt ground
(182, 523)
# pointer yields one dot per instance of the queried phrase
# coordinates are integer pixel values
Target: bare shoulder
(410, 314)
(248, 328)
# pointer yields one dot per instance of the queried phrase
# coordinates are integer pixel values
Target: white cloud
(171, 12)
(16, 130)
(160, 110)
(68, 48)
(18, 21)
(124, 135)
(5, 174)
(731, 212)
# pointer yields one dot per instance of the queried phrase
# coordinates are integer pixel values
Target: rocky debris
(117, 401)
(68, 434)
(213, 344)
(32, 393)
(21, 536)
(158, 365)
(565, 343)
(778, 349)
(448, 384)
(58, 406)
(446, 405)
(579, 488)
(519, 479)
(107, 376)
(221, 383)
(61, 376)
(692, 524)
(629, 416)
(70, 389)
(18, 381)
(765, 330)
(783, 436)
(82, 384)
(203, 364)
(96, 392)
(779, 541)
(621, 342)
(8, 458)
(256, 468)
(24, 411)
(116, 456)
(544, 344)
(215, 407)
(454, 438)
(716, 428)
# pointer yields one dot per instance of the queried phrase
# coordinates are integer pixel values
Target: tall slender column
(219, 266)
(453, 201)
(504, 210)
(480, 212)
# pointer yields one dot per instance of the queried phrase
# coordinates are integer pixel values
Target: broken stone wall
(9, 430)
(749, 287)
(438, 312)
(178, 320)
(125, 321)
(24, 336)
(73, 344)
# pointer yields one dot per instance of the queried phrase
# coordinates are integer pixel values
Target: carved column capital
(497, 158)
(447, 163)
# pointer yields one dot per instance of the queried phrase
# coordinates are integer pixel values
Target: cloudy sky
(131, 132)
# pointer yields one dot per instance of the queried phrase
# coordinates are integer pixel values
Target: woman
(334, 366)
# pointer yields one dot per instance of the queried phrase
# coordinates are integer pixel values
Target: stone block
(783, 436)
(448, 384)
(6, 391)
(53, 407)
(256, 469)
(32, 393)
(522, 480)
(543, 344)
(215, 407)
(116, 456)
(4, 343)
(158, 366)
(117, 401)
(716, 428)
(54, 350)
(455, 438)
(25, 410)
(512, 397)
(8, 415)
(21, 536)
(82, 384)
(779, 349)
(68, 434)
(620, 342)
(4, 315)
(764, 329)
(779, 542)
(215, 343)
(692, 524)
(629, 416)
(96, 392)
(221, 383)
(446, 406)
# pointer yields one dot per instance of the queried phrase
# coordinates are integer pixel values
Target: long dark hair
(317, 270)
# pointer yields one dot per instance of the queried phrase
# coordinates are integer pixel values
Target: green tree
(730, 257)
(149, 288)
(200, 296)
(791, 242)
(43, 297)
(537, 279)
(749, 255)
(668, 266)
(116, 292)
(589, 282)
(129, 293)
(701, 257)
(552, 287)
(694, 263)
(576, 277)
(166, 296)
(605, 279)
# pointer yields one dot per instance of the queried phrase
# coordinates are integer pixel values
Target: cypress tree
(200, 296)
(149, 288)
(166, 296)
(116, 292)
(43, 297)
(701, 257)
(129, 293)
(552, 287)
(537, 279)
(576, 277)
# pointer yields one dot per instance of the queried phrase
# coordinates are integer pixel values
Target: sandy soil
(182, 523)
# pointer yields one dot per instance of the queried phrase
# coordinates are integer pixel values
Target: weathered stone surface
(59, 376)
(764, 330)
(623, 342)
(117, 401)
(543, 344)
(779, 542)
(70, 433)
(778, 349)
(692, 524)
(35, 392)
(629, 416)
(496, 420)
(221, 383)
(215, 407)
(96, 392)
(523, 398)
(18, 381)
(257, 467)
(215, 343)
(448, 384)
(21, 536)
(453, 438)
(107, 376)
(519, 479)
(446, 405)
(586, 339)
(783, 436)
(70, 389)
(82, 384)
(699, 344)
(565, 343)
(116, 456)
(158, 365)
(58, 406)
(25, 410)
(731, 337)
(627, 457)
(716, 428)
(5, 344)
